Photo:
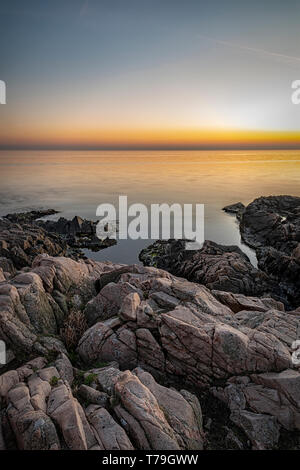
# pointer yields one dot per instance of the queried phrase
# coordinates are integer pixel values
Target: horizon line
(159, 147)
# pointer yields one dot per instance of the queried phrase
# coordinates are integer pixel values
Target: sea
(77, 182)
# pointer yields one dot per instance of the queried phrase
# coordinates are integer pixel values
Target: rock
(23, 234)
(281, 325)
(271, 225)
(224, 268)
(64, 368)
(150, 352)
(180, 414)
(36, 431)
(103, 343)
(7, 267)
(201, 340)
(272, 221)
(239, 302)
(2, 277)
(108, 302)
(141, 404)
(232, 441)
(229, 340)
(30, 216)
(33, 305)
(156, 417)
(284, 404)
(107, 377)
(78, 232)
(8, 381)
(129, 307)
(2, 442)
(48, 373)
(202, 351)
(33, 430)
(31, 367)
(43, 312)
(49, 345)
(39, 391)
(109, 434)
(69, 416)
(90, 395)
(271, 394)
(20, 244)
(237, 209)
(262, 430)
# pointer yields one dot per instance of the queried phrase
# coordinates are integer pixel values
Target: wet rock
(224, 268)
(237, 209)
(77, 233)
(272, 221)
(30, 216)
(271, 225)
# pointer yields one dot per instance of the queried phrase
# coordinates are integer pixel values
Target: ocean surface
(76, 182)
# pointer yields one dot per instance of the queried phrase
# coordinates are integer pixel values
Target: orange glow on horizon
(150, 138)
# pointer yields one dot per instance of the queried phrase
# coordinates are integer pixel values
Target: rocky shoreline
(193, 350)
(25, 235)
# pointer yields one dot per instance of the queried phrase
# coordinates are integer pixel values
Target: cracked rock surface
(197, 355)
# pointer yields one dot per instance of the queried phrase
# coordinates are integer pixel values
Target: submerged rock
(271, 225)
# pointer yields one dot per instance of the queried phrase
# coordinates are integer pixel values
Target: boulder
(224, 268)
(109, 434)
(69, 416)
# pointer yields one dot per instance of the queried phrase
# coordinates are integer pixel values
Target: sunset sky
(149, 73)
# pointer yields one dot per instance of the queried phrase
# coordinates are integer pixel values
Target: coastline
(207, 329)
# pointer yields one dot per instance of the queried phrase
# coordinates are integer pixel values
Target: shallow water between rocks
(76, 182)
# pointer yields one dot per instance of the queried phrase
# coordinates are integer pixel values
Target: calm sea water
(76, 182)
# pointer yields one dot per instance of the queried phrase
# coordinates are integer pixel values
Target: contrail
(275, 55)
(84, 8)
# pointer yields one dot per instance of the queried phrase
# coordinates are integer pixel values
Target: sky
(149, 73)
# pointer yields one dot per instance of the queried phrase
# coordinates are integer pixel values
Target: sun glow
(151, 138)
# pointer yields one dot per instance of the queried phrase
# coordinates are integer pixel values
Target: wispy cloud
(84, 8)
(262, 52)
